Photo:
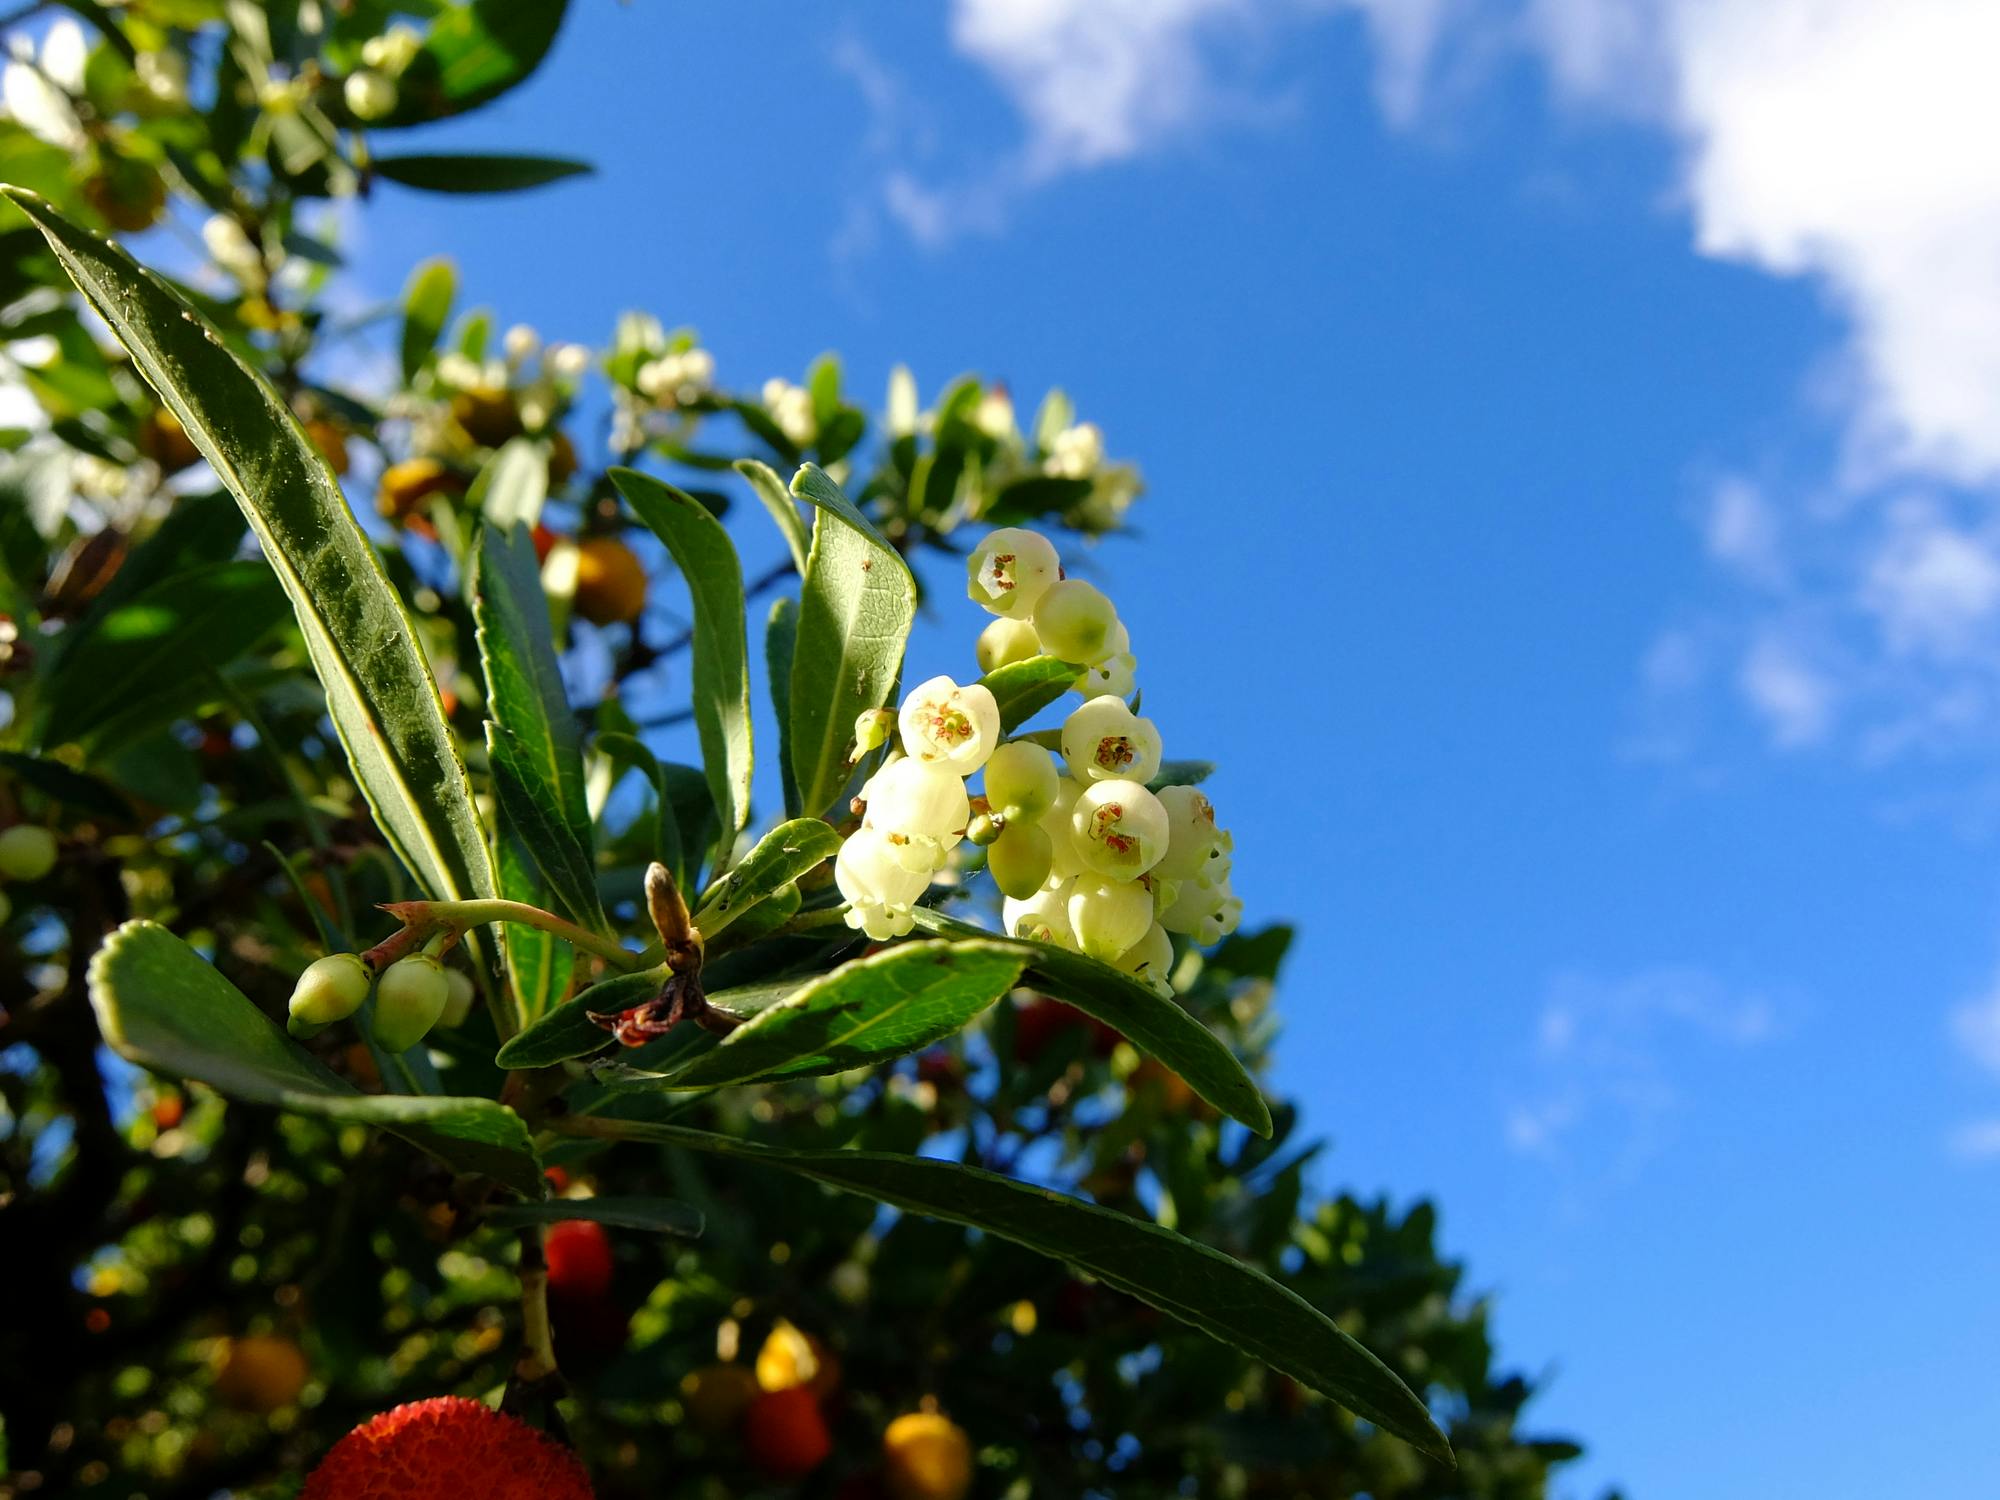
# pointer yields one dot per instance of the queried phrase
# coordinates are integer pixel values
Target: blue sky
(1571, 430)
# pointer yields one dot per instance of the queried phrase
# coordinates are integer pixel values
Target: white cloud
(1976, 1140)
(1934, 585)
(1743, 531)
(1793, 697)
(1975, 1027)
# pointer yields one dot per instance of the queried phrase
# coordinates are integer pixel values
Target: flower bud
(1062, 833)
(1020, 860)
(872, 728)
(1040, 918)
(1021, 781)
(878, 887)
(330, 990)
(1120, 829)
(915, 800)
(985, 828)
(1205, 910)
(1005, 642)
(1076, 452)
(567, 361)
(1108, 916)
(1105, 741)
(1195, 847)
(27, 852)
(1011, 571)
(369, 95)
(522, 343)
(1076, 622)
(394, 50)
(1151, 960)
(409, 998)
(458, 999)
(947, 725)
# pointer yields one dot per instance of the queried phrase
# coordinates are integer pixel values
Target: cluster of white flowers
(1087, 855)
(677, 378)
(791, 407)
(1076, 452)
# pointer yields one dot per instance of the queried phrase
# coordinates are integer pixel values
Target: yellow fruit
(610, 584)
(262, 1373)
(926, 1457)
(407, 485)
(716, 1397)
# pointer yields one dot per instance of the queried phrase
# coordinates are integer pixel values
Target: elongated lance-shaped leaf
(1024, 688)
(872, 1010)
(1157, 1027)
(783, 508)
(160, 1005)
(534, 741)
(855, 613)
(781, 642)
(539, 964)
(625, 750)
(780, 857)
(426, 309)
(379, 690)
(659, 1215)
(707, 560)
(476, 173)
(1201, 1286)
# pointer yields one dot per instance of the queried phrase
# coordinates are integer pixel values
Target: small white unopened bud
(994, 415)
(1119, 828)
(1076, 452)
(522, 343)
(1109, 916)
(369, 95)
(1005, 642)
(567, 361)
(946, 725)
(1021, 781)
(1040, 918)
(1076, 622)
(409, 998)
(1105, 741)
(791, 408)
(1011, 571)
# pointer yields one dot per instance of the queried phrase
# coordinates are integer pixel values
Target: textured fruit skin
(926, 1457)
(447, 1448)
(610, 584)
(578, 1252)
(784, 1433)
(262, 1373)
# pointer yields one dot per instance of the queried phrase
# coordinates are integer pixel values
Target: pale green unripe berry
(1005, 642)
(1040, 918)
(1020, 860)
(1076, 622)
(26, 852)
(409, 998)
(1010, 572)
(1108, 916)
(946, 725)
(879, 887)
(369, 95)
(1194, 843)
(330, 990)
(1021, 781)
(1119, 828)
(1062, 835)
(1151, 960)
(872, 728)
(917, 801)
(458, 1001)
(1103, 740)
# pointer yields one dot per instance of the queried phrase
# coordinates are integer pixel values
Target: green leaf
(780, 858)
(539, 964)
(567, 1031)
(625, 750)
(781, 644)
(161, 1006)
(1182, 773)
(1024, 688)
(1156, 1026)
(477, 173)
(1198, 1285)
(854, 618)
(427, 303)
(477, 52)
(379, 689)
(869, 1011)
(659, 1215)
(1034, 499)
(707, 560)
(55, 780)
(143, 661)
(783, 508)
(536, 748)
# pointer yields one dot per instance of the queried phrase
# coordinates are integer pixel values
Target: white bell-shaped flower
(946, 725)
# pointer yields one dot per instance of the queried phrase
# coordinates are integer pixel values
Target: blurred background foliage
(201, 1297)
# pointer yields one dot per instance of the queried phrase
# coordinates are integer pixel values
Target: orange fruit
(262, 1373)
(926, 1457)
(610, 584)
(785, 1435)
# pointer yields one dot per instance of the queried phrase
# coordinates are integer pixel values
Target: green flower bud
(331, 989)
(872, 728)
(1005, 642)
(409, 998)
(26, 852)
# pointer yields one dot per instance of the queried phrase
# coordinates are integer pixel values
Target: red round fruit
(785, 1434)
(447, 1448)
(579, 1255)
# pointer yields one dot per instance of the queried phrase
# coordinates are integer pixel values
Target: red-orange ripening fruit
(447, 1448)
(262, 1373)
(545, 541)
(784, 1434)
(610, 584)
(168, 1111)
(579, 1255)
(927, 1457)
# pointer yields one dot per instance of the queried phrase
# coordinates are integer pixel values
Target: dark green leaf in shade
(658, 1215)
(476, 173)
